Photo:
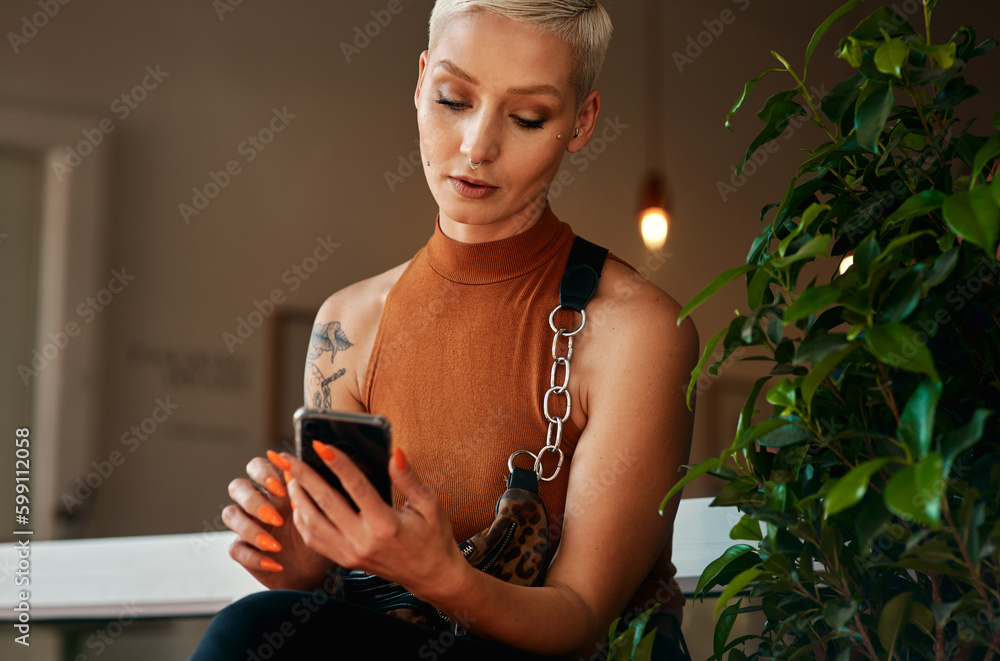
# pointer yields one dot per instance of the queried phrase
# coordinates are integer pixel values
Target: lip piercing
(475, 166)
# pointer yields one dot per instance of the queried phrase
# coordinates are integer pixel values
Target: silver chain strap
(553, 437)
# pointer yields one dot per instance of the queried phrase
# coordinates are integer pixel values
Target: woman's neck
(472, 233)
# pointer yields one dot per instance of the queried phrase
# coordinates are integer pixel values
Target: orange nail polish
(324, 451)
(288, 477)
(268, 543)
(400, 459)
(268, 514)
(293, 507)
(270, 565)
(275, 486)
(279, 461)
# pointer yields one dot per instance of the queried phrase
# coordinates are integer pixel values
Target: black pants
(287, 624)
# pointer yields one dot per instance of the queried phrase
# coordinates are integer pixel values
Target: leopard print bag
(514, 549)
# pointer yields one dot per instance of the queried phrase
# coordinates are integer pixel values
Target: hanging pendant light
(654, 223)
(654, 219)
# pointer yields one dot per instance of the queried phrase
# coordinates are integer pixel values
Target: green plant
(871, 493)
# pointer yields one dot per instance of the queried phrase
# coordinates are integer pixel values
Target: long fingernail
(279, 461)
(270, 565)
(400, 459)
(324, 451)
(275, 486)
(288, 476)
(268, 514)
(268, 543)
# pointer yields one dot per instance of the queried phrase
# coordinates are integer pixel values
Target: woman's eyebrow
(532, 90)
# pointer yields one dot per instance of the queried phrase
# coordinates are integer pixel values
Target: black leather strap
(583, 270)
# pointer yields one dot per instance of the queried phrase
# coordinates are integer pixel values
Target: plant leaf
(943, 56)
(811, 301)
(705, 357)
(746, 90)
(838, 612)
(974, 215)
(709, 464)
(874, 105)
(986, 153)
(850, 489)
(964, 437)
(891, 56)
(824, 27)
(920, 204)
(756, 288)
(817, 347)
(895, 616)
(747, 528)
(915, 492)
(760, 429)
(736, 585)
(746, 414)
(916, 424)
(716, 567)
(723, 627)
(865, 254)
(821, 370)
(784, 436)
(814, 247)
(895, 344)
(835, 104)
(809, 216)
(718, 283)
(942, 268)
(777, 116)
(782, 394)
(904, 295)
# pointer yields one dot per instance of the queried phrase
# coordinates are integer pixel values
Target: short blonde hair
(583, 24)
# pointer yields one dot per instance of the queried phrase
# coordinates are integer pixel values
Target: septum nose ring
(474, 166)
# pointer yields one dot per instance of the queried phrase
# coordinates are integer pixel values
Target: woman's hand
(269, 546)
(413, 546)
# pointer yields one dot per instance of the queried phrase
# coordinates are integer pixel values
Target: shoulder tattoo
(326, 339)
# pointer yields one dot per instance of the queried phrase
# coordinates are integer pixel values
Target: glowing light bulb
(654, 228)
(847, 262)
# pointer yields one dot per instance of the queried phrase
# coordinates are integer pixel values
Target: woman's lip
(477, 182)
(468, 188)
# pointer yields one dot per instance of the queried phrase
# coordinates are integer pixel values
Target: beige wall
(324, 176)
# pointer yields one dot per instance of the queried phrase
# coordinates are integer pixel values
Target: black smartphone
(363, 437)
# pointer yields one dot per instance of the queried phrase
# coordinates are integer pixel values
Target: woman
(453, 348)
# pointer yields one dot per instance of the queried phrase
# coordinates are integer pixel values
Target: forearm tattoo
(326, 338)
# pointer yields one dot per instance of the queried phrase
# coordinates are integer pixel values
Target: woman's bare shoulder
(361, 301)
(353, 314)
(630, 303)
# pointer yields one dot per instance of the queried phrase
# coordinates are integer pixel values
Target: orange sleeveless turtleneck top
(461, 363)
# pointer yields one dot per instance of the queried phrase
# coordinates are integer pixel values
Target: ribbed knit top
(461, 363)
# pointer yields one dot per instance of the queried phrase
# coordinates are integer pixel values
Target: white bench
(192, 575)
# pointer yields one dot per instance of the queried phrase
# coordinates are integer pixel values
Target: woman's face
(496, 91)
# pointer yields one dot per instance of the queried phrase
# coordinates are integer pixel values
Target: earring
(559, 136)
(576, 134)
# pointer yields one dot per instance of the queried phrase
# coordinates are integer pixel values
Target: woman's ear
(420, 78)
(586, 120)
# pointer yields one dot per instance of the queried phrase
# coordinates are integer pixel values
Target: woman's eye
(521, 121)
(529, 123)
(448, 103)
